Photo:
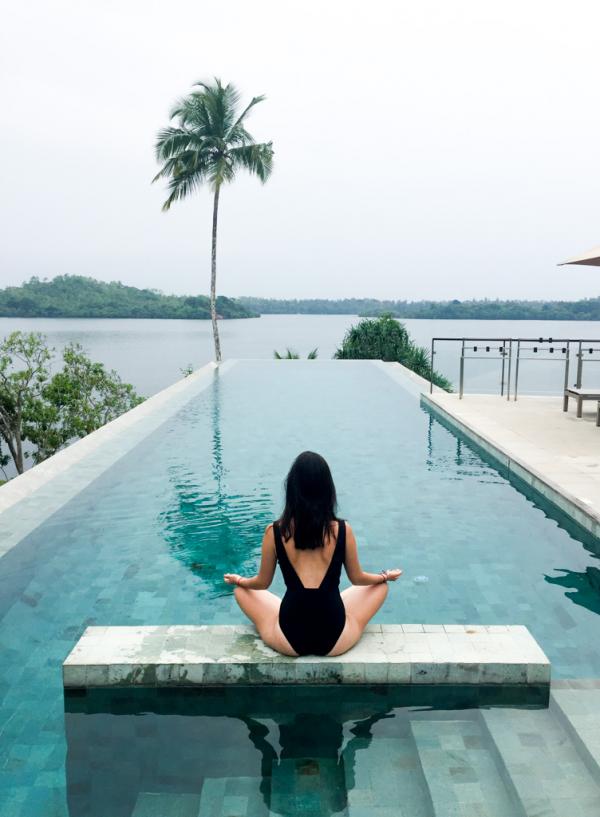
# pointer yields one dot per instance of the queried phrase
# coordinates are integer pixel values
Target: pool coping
(582, 514)
(223, 654)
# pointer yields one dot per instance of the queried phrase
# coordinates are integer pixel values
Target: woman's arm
(268, 561)
(355, 572)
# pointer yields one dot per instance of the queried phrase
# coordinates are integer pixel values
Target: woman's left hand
(232, 578)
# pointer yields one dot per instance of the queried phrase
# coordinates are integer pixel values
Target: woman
(311, 544)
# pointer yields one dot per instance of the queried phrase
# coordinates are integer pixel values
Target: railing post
(503, 356)
(579, 365)
(517, 368)
(567, 366)
(509, 368)
(431, 369)
(462, 371)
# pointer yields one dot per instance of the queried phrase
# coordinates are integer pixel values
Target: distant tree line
(75, 296)
(587, 309)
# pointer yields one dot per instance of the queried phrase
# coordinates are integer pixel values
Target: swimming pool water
(148, 541)
(415, 752)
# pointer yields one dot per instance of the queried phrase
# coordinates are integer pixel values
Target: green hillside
(74, 296)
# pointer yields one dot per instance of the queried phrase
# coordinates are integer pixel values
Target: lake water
(151, 353)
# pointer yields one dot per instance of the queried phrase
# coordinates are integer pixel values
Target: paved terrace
(554, 452)
(203, 655)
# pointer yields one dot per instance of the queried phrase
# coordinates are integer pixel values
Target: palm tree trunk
(213, 279)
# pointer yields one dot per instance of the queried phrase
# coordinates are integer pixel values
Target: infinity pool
(148, 540)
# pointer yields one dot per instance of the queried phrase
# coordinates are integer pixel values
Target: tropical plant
(291, 355)
(208, 146)
(385, 338)
(39, 412)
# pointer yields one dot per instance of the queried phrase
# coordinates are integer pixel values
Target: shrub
(385, 338)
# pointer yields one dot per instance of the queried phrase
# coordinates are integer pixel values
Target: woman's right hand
(394, 574)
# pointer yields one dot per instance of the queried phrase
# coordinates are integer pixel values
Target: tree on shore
(208, 146)
(42, 412)
(385, 338)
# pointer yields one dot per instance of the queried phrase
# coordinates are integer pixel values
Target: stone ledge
(202, 655)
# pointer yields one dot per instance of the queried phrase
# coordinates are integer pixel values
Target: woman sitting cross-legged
(311, 544)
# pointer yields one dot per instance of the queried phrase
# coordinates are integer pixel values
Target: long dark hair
(310, 502)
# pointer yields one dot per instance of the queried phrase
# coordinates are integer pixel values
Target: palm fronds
(209, 142)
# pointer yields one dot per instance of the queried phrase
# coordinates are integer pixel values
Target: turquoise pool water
(422, 752)
(148, 541)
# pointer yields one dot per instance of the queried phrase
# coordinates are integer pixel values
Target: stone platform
(202, 655)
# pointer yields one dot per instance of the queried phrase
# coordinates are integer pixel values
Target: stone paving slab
(216, 655)
(554, 452)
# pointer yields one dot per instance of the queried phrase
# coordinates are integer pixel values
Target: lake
(151, 353)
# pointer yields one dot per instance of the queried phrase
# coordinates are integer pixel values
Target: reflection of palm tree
(585, 586)
(208, 527)
(311, 745)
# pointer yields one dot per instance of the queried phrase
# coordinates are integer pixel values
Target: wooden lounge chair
(581, 394)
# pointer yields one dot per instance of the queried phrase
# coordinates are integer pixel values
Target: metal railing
(511, 351)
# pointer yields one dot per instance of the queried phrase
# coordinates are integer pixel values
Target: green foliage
(210, 142)
(74, 296)
(187, 370)
(384, 338)
(24, 369)
(587, 309)
(291, 355)
(47, 411)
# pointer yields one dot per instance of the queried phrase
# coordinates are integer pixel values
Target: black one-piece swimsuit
(312, 618)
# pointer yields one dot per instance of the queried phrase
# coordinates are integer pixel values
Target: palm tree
(208, 146)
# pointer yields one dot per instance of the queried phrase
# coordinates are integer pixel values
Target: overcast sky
(429, 149)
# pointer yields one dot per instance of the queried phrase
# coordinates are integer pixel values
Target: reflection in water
(284, 751)
(264, 751)
(452, 458)
(585, 586)
(209, 527)
(313, 767)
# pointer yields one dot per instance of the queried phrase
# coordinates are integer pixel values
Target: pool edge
(566, 503)
(109, 443)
